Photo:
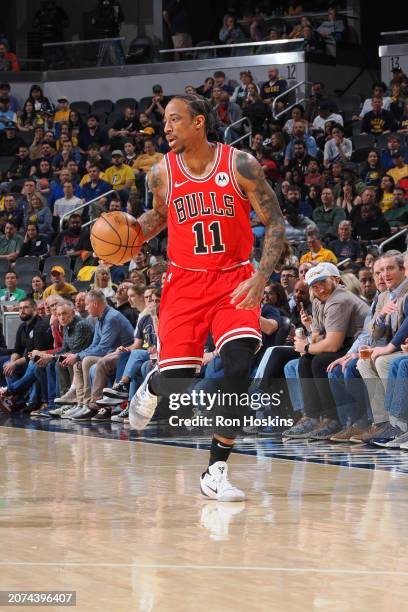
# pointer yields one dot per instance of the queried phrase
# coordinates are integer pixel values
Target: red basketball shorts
(195, 303)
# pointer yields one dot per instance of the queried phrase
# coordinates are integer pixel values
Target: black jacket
(35, 334)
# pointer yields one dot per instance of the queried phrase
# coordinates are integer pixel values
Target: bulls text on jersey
(200, 204)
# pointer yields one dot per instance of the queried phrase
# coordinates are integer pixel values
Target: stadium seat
(113, 117)
(102, 106)
(144, 103)
(80, 107)
(5, 163)
(81, 285)
(27, 137)
(27, 264)
(205, 53)
(57, 260)
(362, 141)
(352, 102)
(4, 267)
(123, 103)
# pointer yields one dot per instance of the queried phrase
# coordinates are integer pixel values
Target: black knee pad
(237, 356)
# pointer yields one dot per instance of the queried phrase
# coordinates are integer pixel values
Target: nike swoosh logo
(211, 489)
(176, 184)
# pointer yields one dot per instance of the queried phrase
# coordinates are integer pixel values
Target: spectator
(35, 147)
(8, 60)
(91, 134)
(19, 168)
(378, 121)
(103, 282)
(241, 91)
(332, 29)
(77, 336)
(33, 245)
(130, 152)
(345, 247)
(299, 133)
(312, 175)
(59, 286)
(39, 213)
(28, 119)
(230, 33)
(338, 148)
(11, 212)
(378, 93)
(397, 215)
(389, 322)
(296, 116)
(62, 111)
(95, 188)
(402, 119)
(255, 25)
(294, 199)
(344, 378)
(123, 305)
(401, 168)
(312, 41)
(386, 193)
(317, 253)
(6, 114)
(120, 176)
(157, 104)
(269, 166)
(367, 284)
(325, 114)
(304, 266)
(80, 305)
(5, 93)
(300, 159)
(255, 108)
(111, 331)
(227, 112)
(11, 293)
(273, 87)
(67, 153)
(205, 90)
(177, 18)
(296, 225)
(288, 278)
(338, 317)
(9, 140)
(73, 241)
(371, 228)
(40, 102)
(38, 284)
(328, 216)
(393, 144)
(10, 242)
(144, 162)
(372, 171)
(125, 127)
(19, 369)
(67, 204)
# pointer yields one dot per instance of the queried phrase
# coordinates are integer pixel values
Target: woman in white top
(103, 281)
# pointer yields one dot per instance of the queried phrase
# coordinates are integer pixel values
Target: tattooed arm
(155, 220)
(252, 181)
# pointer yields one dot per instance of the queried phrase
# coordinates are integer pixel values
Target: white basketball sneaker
(143, 405)
(214, 484)
(216, 518)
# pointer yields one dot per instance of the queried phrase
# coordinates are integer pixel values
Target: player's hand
(249, 293)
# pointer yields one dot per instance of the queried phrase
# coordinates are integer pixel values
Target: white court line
(239, 568)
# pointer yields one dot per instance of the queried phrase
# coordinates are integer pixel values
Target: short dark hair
(10, 222)
(197, 105)
(219, 73)
(31, 301)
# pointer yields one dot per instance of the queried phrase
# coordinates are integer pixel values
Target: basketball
(114, 239)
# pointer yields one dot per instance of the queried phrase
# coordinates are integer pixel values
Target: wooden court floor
(123, 524)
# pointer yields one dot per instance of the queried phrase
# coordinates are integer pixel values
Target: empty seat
(80, 107)
(81, 285)
(144, 103)
(362, 141)
(57, 260)
(123, 103)
(102, 106)
(113, 117)
(352, 102)
(4, 267)
(27, 264)
(5, 163)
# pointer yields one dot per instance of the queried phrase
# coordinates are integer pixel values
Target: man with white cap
(337, 318)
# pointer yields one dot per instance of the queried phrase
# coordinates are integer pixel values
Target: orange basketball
(114, 239)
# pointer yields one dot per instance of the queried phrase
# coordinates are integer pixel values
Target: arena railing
(402, 232)
(247, 134)
(298, 88)
(254, 48)
(84, 53)
(81, 207)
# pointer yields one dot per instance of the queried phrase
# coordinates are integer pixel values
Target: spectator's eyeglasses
(268, 292)
(287, 276)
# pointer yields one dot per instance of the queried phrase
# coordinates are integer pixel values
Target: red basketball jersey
(208, 218)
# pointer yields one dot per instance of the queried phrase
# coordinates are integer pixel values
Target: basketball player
(203, 193)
